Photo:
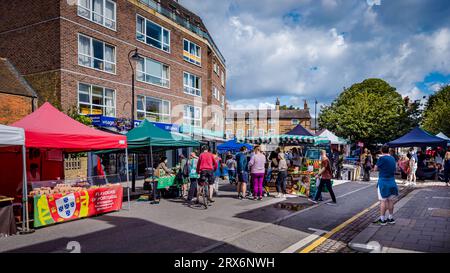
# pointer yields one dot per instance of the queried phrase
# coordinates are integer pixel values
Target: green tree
(73, 113)
(371, 111)
(436, 116)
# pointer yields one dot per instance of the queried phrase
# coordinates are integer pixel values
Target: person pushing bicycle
(206, 166)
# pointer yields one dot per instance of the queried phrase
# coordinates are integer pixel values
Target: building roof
(290, 114)
(11, 82)
(283, 114)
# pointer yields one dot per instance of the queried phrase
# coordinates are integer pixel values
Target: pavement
(230, 225)
(422, 225)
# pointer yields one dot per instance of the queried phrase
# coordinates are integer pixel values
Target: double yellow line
(323, 238)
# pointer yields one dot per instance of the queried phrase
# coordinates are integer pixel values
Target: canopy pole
(128, 177)
(24, 191)
(155, 185)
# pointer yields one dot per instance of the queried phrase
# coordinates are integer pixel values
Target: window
(249, 133)
(271, 121)
(96, 54)
(192, 84)
(222, 101)
(261, 132)
(153, 109)
(222, 77)
(153, 72)
(216, 68)
(229, 121)
(192, 116)
(215, 93)
(250, 121)
(295, 122)
(98, 100)
(152, 34)
(192, 52)
(271, 132)
(102, 12)
(229, 133)
(239, 133)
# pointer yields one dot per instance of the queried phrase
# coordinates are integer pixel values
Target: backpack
(186, 169)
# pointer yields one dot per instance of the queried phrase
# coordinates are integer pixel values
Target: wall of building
(13, 108)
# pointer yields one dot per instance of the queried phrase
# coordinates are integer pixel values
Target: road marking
(276, 221)
(440, 197)
(300, 244)
(322, 239)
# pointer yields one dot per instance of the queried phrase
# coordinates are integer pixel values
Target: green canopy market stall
(148, 138)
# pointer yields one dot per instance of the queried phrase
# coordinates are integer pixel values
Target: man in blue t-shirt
(387, 187)
(242, 174)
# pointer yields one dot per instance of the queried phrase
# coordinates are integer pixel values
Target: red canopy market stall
(48, 128)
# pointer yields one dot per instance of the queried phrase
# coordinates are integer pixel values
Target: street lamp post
(134, 57)
(315, 116)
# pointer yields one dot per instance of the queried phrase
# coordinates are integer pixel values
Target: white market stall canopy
(285, 140)
(441, 135)
(334, 139)
(11, 136)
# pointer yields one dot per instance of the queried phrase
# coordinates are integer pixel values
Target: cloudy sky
(306, 49)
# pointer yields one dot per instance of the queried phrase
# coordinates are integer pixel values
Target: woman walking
(386, 187)
(447, 167)
(412, 170)
(282, 174)
(256, 165)
(367, 165)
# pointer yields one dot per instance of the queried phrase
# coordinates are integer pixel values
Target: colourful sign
(56, 208)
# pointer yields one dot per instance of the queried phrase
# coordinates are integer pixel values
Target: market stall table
(7, 220)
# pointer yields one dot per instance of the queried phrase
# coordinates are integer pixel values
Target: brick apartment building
(265, 122)
(75, 53)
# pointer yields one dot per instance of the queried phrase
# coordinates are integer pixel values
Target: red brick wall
(13, 108)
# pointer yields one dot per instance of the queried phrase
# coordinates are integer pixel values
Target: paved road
(231, 225)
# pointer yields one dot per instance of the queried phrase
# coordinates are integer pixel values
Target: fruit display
(66, 188)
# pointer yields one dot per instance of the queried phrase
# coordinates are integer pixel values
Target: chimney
(305, 105)
(277, 105)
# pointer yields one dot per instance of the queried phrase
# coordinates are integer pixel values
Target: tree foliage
(436, 116)
(73, 113)
(371, 111)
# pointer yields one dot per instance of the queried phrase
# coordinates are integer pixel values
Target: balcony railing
(183, 22)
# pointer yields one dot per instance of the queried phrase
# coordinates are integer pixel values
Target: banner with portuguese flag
(56, 208)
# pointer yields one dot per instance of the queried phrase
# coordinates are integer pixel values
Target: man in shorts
(386, 187)
(206, 166)
(242, 174)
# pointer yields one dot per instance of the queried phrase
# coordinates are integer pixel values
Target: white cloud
(334, 44)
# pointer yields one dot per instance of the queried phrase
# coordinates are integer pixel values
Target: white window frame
(90, 104)
(295, 123)
(91, 12)
(248, 132)
(222, 101)
(222, 77)
(250, 121)
(194, 91)
(190, 44)
(259, 132)
(228, 133)
(190, 119)
(145, 112)
(216, 68)
(239, 133)
(216, 93)
(271, 121)
(228, 121)
(92, 58)
(145, 34)
(164, 80)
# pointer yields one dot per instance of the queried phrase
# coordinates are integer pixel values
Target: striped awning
(285, 140)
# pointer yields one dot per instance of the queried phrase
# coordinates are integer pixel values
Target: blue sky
(307, 49)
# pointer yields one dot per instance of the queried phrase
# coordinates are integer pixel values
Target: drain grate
(291, 206)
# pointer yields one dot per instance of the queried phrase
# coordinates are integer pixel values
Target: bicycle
(203, 191)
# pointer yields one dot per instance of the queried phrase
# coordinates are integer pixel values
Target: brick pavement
(338, 241)
(422, 224)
